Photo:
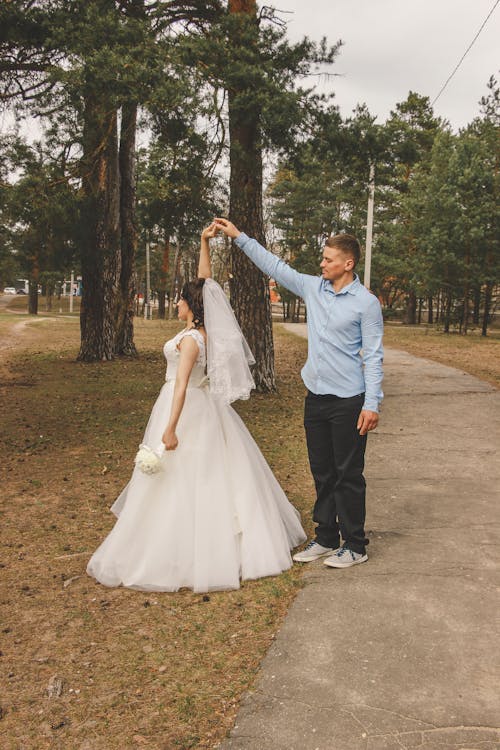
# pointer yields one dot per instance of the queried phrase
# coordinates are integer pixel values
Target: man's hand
(227, 228)
(367, 421)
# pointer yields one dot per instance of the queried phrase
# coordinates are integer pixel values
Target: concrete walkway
(402, 651)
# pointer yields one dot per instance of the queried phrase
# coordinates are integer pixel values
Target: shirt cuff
(241, 239)
(371, 405)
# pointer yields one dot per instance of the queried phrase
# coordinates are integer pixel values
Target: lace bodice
(172, 354)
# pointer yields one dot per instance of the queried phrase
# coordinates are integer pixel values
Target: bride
(214, 513)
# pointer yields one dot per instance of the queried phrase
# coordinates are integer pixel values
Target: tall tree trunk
(175, 272)
(33, 281)
(100, 231)
(248, 286)
(33, 294)
(477, 306)
(430, 310)
(464, 322)
(162, 289)
(447, 312)
(128, 240)
(297, 313)
(411, 309)
(487, 307)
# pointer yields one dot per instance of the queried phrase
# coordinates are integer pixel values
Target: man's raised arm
(268, 263)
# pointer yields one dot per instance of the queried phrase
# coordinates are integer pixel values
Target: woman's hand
(227, 227)
(169, 440)
(210, 231)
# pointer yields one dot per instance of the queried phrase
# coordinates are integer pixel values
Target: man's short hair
(347, 243)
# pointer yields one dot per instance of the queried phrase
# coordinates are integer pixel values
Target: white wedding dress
(213, 515)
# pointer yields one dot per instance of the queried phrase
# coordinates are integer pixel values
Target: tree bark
(464, 323)
(248, 286)
(477, 306)
(447, 313)
(162, 289)
(128, 240)
(33, 295)
(100, 231)
(430, 310)
(175, 272)
(487, 307)
(411, 309)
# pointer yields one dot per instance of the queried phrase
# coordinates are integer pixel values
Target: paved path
(403, 651)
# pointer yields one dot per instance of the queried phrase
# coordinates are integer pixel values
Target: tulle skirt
(214, 515)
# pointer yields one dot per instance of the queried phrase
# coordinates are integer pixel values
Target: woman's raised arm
(204, 265)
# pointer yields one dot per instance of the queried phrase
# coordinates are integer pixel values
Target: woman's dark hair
(192, 292)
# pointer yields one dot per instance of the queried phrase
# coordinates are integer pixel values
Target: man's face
(335, 264)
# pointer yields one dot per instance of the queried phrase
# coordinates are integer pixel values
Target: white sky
(394, 46)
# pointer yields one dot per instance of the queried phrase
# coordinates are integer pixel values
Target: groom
(343, 388)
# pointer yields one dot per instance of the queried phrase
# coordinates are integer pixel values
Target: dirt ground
(89, 668)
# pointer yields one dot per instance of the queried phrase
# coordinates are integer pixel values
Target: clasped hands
(220, 225)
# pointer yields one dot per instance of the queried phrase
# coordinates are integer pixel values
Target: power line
(465, 54)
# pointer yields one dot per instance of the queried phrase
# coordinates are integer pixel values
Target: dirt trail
(19, 334)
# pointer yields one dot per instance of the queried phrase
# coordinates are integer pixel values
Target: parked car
(21, 291)
(9, 290)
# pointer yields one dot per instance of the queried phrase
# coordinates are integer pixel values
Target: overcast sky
(394, 46)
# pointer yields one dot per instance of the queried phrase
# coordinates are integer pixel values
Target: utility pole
(369, 226)
(71, 283)
(147, 306)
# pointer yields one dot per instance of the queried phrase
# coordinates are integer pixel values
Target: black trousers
(337, 459)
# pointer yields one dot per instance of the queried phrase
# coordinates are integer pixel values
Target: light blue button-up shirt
(344, 329)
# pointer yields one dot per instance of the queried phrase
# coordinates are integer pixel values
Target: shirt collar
(351, 288)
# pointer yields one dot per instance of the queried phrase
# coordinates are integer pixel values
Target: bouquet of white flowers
(149, 460)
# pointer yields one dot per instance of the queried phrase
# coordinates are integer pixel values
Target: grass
(475, 354)
(160, 671)
(138, 670)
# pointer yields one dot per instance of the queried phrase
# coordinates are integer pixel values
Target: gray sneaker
(312, 551)
(344, 558)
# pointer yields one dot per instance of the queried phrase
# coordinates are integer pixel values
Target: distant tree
(409, 132)
(454, 206)
(39, 206)
(177, 187)
(321, 188)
